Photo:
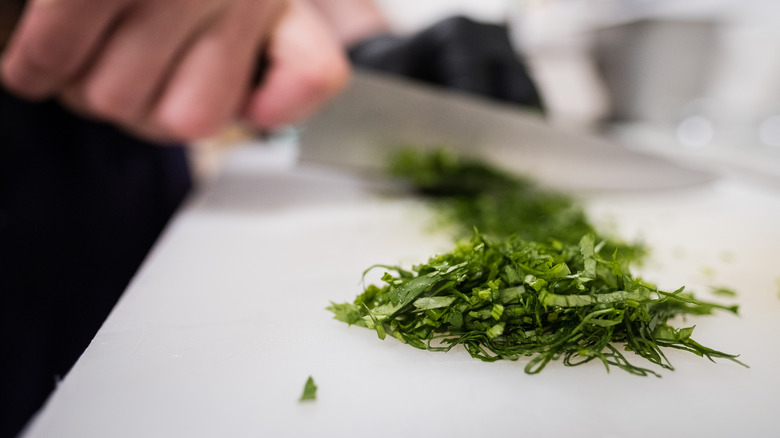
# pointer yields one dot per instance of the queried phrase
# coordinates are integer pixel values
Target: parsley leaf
(309, 390)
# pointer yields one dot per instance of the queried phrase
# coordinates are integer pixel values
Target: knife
(378, 114)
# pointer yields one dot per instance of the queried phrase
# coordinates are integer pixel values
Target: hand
(175, 69)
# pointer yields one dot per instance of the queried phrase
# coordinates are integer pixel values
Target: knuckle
(193, 124)
(325, 77)
(49, 55)
(37, 65)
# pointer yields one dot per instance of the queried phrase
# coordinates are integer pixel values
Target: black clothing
(81, 203)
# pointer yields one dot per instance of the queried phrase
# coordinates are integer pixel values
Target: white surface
(221, 328)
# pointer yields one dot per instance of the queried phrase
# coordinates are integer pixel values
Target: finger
(208, 88)
(307, 66)
(53, 41)
(126, 76)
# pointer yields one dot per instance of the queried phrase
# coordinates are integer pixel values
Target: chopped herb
(708, 271)
(469, 193)
(531, 281)
(508, 298)
(309, 390)
(723, 291)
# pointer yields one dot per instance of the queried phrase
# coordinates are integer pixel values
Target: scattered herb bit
(723, 291)
(309, 390)
(527, 283)
(508, 298)
(708, 271)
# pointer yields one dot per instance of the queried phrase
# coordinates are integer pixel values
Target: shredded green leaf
(534, 280)
(723, 291)
(309, 390)
(471, 194)
(469, 299)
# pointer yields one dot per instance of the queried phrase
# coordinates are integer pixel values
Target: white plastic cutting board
(219, 331)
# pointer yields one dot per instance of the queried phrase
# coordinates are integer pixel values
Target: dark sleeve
(81, 203)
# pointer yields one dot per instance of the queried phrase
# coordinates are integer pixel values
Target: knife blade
(379, 113)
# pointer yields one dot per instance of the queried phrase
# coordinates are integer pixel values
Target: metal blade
(379, 114)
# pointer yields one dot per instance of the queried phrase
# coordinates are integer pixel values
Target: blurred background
(695, 79)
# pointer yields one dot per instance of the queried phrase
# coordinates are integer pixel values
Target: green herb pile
(471, 194)
(525, 289)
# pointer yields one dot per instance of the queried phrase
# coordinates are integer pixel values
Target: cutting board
(226, 320)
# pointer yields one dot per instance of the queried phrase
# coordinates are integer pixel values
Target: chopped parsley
(723, 291)
(534, 280)
(471, 194)
(508, 298)
(309, 390)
